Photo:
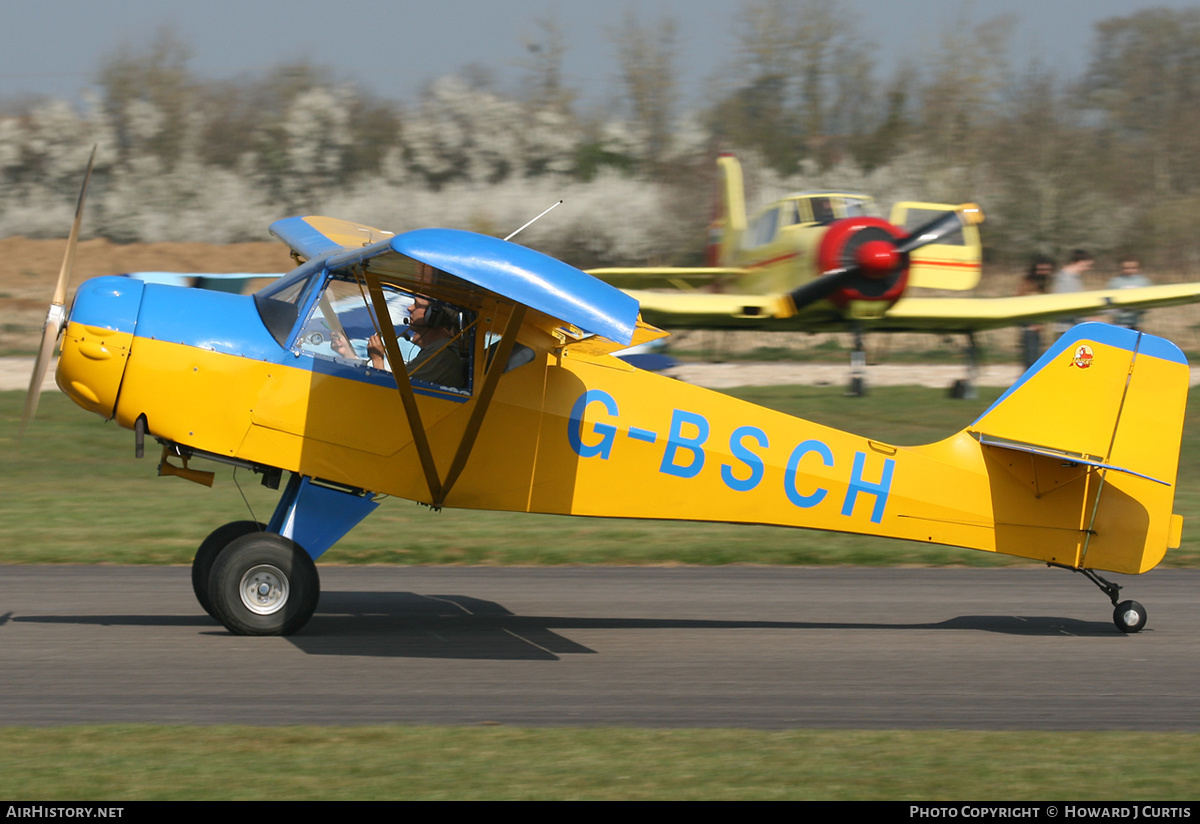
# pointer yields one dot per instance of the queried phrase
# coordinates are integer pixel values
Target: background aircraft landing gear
(857, 387)
(263, 584)
(967, 388)
(209, 549)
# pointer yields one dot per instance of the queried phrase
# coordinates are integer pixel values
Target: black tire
(209, 549)
(263, 584)
(1129, 616)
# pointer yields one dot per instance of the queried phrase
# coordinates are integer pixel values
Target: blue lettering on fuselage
(606, 431)
(684, 455)
(793, 466)
(754, 462)
(858, 484)
(678, 442)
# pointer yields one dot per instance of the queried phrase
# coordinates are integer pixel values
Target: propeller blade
(56, 316)
(45, 353)
(821, 287)
(64, 274)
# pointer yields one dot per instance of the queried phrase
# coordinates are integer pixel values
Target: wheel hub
(264, 589)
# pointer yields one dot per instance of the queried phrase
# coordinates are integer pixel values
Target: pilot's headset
(441, 315)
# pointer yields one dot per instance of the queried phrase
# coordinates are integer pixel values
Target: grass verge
(124, 763)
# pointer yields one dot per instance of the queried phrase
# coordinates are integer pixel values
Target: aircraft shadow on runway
(410, 625)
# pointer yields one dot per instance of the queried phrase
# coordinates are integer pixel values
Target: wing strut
(491, 377)
(387, 334)
(438, 490)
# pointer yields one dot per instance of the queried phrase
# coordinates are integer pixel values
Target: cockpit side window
(822, 209)
(435, 337)
(763, 229)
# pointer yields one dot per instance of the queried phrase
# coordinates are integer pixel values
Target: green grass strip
(123, 763)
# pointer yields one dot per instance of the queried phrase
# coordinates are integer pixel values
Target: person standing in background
(1035, 282)
(1131, 277)
(1070, 279)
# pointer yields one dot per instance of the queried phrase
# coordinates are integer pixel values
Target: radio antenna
(523, 228)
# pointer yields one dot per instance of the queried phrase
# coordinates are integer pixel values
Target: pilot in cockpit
(431, 327)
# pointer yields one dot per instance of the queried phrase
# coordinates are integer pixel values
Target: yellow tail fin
(1093, 427)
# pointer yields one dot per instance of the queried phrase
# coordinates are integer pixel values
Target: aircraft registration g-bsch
(508, 397)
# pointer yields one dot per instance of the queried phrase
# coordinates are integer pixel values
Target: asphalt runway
(754, 647)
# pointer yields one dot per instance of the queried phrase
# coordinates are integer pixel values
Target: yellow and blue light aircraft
(821, 262)
(507, 397)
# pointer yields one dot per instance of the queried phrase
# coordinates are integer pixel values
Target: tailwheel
(209, 549)
(1129, 616)
(263, 584)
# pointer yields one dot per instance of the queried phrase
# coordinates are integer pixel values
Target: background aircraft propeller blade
(936, 229)
(822, 287)
(57, 314)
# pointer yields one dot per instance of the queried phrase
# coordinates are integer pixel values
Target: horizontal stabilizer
(1066, 457)
(954, 262)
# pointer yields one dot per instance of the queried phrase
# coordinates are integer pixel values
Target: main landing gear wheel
(1129, 616)
(209, 549)
(263, 584)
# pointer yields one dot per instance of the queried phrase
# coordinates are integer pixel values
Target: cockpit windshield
(279, 303)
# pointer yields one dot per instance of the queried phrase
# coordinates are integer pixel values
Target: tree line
(1107, 160)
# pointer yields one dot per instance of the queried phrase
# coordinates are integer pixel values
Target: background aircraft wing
(707, 310)
(663, 277)
(696, 310)
(974, 314)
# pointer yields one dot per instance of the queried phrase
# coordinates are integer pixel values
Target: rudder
(729, 213)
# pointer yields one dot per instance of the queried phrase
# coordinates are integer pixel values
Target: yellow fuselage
(575, 434)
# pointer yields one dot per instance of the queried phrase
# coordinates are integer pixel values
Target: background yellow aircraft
(821, 262)
(796, 240)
